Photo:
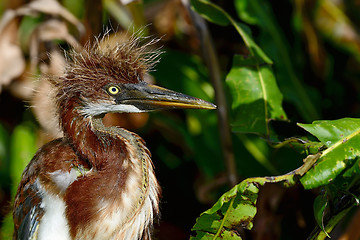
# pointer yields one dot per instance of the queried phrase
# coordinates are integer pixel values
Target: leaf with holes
(234, 209)
(342, 140)
(256, 97)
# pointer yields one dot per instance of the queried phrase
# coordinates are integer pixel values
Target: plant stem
(211, 60)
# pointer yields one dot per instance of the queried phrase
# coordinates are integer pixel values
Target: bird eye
(113, 90)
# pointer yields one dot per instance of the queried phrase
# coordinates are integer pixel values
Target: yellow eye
(113, 90)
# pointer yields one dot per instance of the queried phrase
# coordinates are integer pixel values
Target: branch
(211, 60)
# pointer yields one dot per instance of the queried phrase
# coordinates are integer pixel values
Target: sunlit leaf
(342, 139)
(255, 96)
(234, 210)
(329, 132)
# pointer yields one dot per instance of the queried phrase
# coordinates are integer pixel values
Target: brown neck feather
(115, 156)
(98, 148)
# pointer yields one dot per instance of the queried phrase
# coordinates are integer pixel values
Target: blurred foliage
(284, 64)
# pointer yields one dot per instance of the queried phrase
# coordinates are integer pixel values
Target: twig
(211, 60)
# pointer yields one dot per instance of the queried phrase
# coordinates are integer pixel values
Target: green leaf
(255, 95)
(340, 198)
(352, 172)
(215, 14)
(246, 13)
(211, 12)
(343, 140)
(329, 132)
(320, 205)
(234, 209)
(275, 44)
(320, 234)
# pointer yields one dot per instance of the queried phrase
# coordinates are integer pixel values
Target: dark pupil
(113, 89)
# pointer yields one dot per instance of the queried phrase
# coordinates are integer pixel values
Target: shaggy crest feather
(117, 58)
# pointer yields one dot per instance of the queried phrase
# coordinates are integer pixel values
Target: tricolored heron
(96, 182)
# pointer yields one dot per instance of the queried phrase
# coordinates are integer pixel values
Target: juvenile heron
(96, 182)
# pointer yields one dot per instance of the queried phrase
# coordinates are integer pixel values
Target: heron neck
(101, 146)
(122, 170)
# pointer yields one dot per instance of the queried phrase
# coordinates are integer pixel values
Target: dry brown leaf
(52, 29)
(7, 18)
(51, 7)
(12, 62)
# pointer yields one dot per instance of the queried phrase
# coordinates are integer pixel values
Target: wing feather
(27, 212)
